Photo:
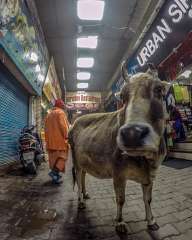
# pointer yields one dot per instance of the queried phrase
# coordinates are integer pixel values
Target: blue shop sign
(22, 39)
(172, 24)
(117, 86)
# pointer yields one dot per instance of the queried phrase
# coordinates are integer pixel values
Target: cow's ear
(166, 87)
(124, 72)
(124, 94)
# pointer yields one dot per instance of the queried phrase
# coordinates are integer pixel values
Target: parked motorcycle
(31, 152)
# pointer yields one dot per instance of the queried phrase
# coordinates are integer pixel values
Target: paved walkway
(33, 209)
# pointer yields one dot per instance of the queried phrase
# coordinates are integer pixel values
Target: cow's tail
(72, 156)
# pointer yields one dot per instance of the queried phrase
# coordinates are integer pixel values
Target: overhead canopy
(115, 32)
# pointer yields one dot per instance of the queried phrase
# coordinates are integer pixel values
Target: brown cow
(126, 144)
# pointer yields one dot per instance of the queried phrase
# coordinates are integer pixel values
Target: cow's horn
(152, 70)
(124, 71)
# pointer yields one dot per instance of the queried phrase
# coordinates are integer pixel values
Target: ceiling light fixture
(40, 77)
(81, 92)
(86, 62)
(37, 68)
(186, 74)
(82, 85)
(90, 10)
(34, 57)
(83, 75)
(87, 42)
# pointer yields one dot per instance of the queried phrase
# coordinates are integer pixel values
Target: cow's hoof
(86, 196)
(153, 227)
(81, 205)
(121, 227)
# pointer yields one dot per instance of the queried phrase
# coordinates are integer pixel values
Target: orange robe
(56, 132)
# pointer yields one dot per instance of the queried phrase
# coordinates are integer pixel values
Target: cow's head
(144, 115)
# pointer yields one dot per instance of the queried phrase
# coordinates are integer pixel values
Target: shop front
(23, 66)
(79, 103)
(177, 68)
(51, 89)
(169, 29)
(168, 45)
(13, 114)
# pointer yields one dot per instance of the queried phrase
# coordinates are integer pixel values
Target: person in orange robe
(56, 133)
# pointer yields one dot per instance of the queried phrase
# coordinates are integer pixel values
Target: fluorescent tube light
(83, 75)
(37, 68)
(40, 77)
(90, 9)
(34, 57)
(82, 85)
(87, 42)
(186, 74)
(86, 62)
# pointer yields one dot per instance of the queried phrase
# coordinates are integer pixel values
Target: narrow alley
(32, 208)
(108, 83)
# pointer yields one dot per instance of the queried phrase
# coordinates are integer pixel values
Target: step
(180, 155)
(180, 150)
(188, 141)
(183, 146)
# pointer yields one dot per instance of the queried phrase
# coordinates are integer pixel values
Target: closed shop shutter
(14, 103)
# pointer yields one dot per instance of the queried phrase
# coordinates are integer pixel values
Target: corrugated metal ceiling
(61, 27)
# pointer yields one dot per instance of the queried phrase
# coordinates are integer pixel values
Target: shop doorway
(14, 109)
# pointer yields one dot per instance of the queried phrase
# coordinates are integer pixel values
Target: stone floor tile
(182, 215)
(184, 226)
(143, 235)
(165, 231)
(31, 208)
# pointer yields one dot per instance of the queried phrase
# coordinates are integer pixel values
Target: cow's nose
(133, 135)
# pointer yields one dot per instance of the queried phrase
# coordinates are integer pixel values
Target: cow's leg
(119, 187)
(85, 194)
(81, 203)
(147, 198)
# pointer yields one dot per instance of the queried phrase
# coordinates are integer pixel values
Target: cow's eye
(158, 92)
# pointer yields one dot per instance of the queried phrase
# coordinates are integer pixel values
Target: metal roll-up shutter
(14, 104)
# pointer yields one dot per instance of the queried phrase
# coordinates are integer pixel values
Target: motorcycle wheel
(31, 168)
